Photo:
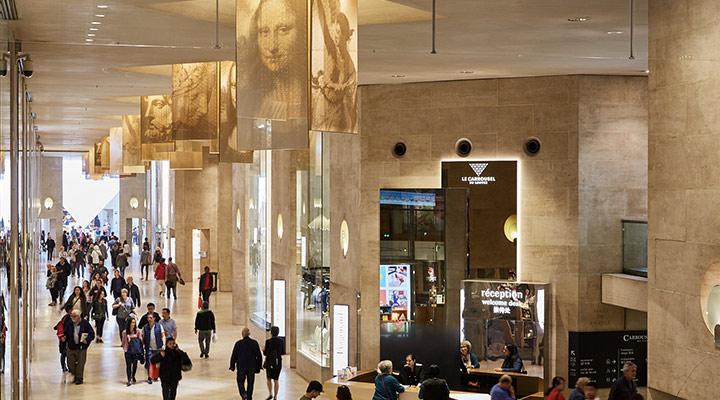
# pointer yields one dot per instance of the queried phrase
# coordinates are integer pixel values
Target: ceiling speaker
(532, 146)
(463, 147)
(399, 149)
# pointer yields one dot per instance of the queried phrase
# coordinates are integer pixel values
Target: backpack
(135, 346)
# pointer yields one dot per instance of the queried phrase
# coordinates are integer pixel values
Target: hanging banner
(115, 144)
(131, 160)
(272, 74)
(228, 146)
(102, 155)
(156, 120)
(195, 109)
(334, 60)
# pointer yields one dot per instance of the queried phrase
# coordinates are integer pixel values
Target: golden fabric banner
(228, 143)
(115, 149)
(272, 74)
(156, 119)
(195, 111)
(334, 61)
(131, 160)
(101, 160)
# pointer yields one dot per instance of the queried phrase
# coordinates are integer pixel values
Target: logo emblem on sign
(479, 168)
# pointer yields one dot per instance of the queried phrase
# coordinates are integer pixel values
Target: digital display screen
(407, 198)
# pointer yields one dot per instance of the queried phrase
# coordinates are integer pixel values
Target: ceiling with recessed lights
(93, 58)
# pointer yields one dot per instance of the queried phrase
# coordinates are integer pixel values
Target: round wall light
(48, 203)
(344, 237)
(280, 226)
(510, 228)
(134, 203)
(238, 218)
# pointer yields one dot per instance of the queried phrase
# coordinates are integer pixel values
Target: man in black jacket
(50, 245)
(247, 360)
(173, 361)
(78, 336)
(625, 387)
(434, 388)
(144, 318)
(204, 328)
(411, 372)
(133, 290)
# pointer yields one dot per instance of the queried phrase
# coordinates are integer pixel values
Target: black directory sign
(600, 356)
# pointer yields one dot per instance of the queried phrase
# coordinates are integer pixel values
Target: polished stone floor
(105, 369)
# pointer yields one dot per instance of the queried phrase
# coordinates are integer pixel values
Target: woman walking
(77, 301)
(145, 262)
(99, 315)
(133, 347)
(273, 362)
(52, 284)
(122, 309)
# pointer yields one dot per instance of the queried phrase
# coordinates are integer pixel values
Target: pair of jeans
(79, 270)
(171, 286)
(144, 270)
(131, 363)
(245, 393)
(169, 389)
(204, 341)
(62, 346)
(76, 362)
(99, 325)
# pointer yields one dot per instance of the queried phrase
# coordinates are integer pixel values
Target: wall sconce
(280, 226)
(134, 203)
(48, 203)
(145, 203)
(238, 216)
(344, 237)
(510, 228)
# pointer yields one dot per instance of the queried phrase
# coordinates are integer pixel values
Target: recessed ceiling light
(615, 32)
(96, 23)
(91, 34)
(579, 19)
(94, 29)
(102, 6)
(100, 15)
(467, 72)
(397, 76)
(89, 40)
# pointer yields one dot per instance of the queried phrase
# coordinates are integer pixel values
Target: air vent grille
(8, 10)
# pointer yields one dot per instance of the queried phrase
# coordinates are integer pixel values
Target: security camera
(27, 67)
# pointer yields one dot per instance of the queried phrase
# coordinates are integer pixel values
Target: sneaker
(78, 381)
(149, 381)
(100, 340)
(129, 383)
(133, 380)
(270, 397)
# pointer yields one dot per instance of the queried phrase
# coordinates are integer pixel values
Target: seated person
(512, 361)
(434, 388)
(503, 390)
(411, 372)
(468, 359)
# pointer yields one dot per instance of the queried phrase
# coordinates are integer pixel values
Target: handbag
(181, 281)
(154, 371)
(186, 364)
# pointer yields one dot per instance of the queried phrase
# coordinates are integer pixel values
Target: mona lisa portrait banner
(272, 74)
(334, 59)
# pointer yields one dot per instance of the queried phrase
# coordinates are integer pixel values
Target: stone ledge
(626, 291)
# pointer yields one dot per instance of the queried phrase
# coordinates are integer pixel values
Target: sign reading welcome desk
(600, 356)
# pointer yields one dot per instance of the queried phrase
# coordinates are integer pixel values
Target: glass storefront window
(635, 236)
(258, 186)
(313, 199)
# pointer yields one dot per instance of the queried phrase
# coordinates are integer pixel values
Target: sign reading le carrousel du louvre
(276, 70)
(600, 356)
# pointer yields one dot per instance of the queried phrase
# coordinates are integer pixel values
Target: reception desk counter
(362, 386)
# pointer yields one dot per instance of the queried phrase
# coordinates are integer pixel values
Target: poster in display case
(395, 293)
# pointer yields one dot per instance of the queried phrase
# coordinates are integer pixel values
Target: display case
(313, 199)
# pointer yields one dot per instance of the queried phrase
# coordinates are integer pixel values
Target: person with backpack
(204, 328)
(99, 314)
(273, 361)
(122, 309)
(132, 345)
(174, 361)
(62, 345)
(152, 335)
(172, 277)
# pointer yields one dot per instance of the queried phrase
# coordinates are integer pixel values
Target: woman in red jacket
(160, 274)
(555, 392)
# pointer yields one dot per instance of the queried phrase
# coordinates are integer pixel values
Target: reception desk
(362, 386)
(525, 385)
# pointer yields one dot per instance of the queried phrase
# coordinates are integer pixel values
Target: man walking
(152, 337)
(204, 328)
(206, 284)
(78, 336)
(625, 387)
(133, 290)
(50, 245)
(247, 360)
(169, 325)
(121, 262)
(173, 361)
(172, 276)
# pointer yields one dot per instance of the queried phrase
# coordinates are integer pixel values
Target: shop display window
(313, 199)
(258, 183)
(635, 236)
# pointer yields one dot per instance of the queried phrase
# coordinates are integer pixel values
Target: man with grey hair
(247, 360)
(625, 387)
(78, 335)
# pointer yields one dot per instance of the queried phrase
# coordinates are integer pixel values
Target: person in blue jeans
(503, 390)
(386, 386)
(152, 338)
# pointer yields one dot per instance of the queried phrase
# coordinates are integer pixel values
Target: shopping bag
(154, 371)
(200, 302)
